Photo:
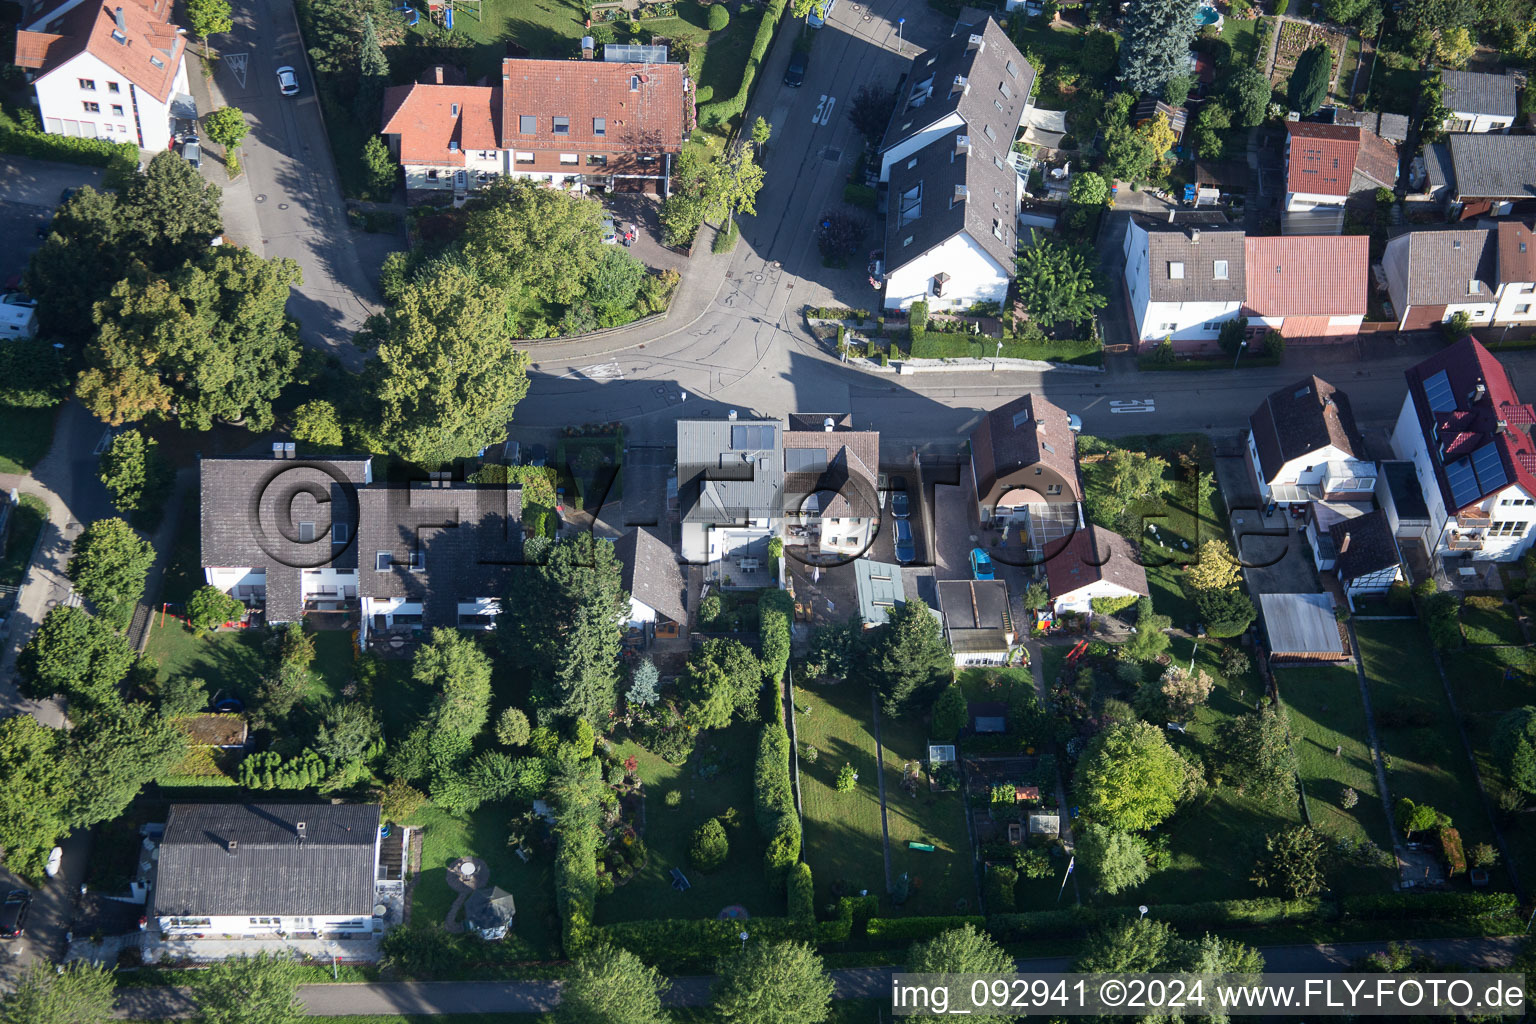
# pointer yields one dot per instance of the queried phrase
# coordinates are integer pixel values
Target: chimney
(1194, 236)
(122, 26)
(960, 85)
(290, 450)
(975, 44)
(437, 74)
(1478, 393)
(299, 828)
(962, 193)
(230, 847)
(962, 145)
(277, 449)
(587, 44)
(731, 415)
(1171, 212)
(1344, 544)
(826, 424)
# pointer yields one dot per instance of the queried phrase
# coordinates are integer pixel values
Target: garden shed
(1301, 627)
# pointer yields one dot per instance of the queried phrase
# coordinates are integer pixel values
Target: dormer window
(453, 110)
(1013, 72)
(382, 561)
(634, 83)
(418, 561)
(157, 62)
(561, 125)
(1175, 271)
(1219, 270)
(339, 534)
(306, 532)
(986, 130)
(1002, 87)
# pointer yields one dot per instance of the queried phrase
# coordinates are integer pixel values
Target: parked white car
(287, 82)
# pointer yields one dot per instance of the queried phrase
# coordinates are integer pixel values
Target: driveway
(29, 192)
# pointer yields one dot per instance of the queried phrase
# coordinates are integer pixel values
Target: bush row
(853, 912)
(908, 929)
(674, 945)
(776, 817)
(575, 892)
(802, 899)
(1452, 905)
(774, 609)
(721, 111)
(118, 156)
(971, 346)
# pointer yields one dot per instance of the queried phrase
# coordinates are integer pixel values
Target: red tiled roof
(1517, 251)
(1322, 158)
(40, 49)
(430, 117)
(150, 37)
(645, 119)
(1377, 159)
(1090, 555)
(1307, 275)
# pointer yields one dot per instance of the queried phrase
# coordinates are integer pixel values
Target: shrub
(782, 853)
(847, 778)
(725, 241)
(949, 713)
(674, 798)
(512, 729)
(774, 611)
(209, 607)
(679, 945)
(909, 929)
(118, 157)
(721, 111)
(1441, 614)
(1450, 846)
(719, 17)
(1000, 886)
(802, 897)
(709, 847)
(1112, 605)
(771, 782)
(400, 801)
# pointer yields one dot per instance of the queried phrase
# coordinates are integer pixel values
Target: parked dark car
(538, 455)
(906, 551)
(901, 505)
(13, 913)
(794, 75)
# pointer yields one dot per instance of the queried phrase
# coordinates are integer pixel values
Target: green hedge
(673, 945)
(971, 346)
(909, 929)
(853, 912)
(775, 799)
(721, 111)
(1407, 906)
(774, 611)
(575, 892)
(120, 157)
(802, 898)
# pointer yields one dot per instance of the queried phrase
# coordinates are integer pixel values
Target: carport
(1301, 627)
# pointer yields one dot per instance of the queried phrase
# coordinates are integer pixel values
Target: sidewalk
(240, 224)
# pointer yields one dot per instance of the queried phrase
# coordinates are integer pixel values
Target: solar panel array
(1463, 481)
(1438, 391)
(1490, 467)
(805, 460)
(751, 437)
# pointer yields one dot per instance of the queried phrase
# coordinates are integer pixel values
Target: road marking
(104, 443)
(831, 102)
(597, 371)
(1134, 405)
(236, 62)
(816, 117)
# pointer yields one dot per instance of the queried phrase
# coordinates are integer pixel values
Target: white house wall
(1477, 122)
(1080, 601)
(1514, 295)
(61, 104)
(1298, 202)
(974, 276)
(229, 579)
(1187, 321)
(259, 927)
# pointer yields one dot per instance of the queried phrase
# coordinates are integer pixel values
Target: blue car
(906, 551)
(981, 565)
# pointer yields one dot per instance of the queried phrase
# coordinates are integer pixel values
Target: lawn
(234, 662)
(717, 777)
(1242, 39)
(1347, 64)
(483, 834)
(25, 435)
(30, 514)
(1488, 621)
(1426, 761)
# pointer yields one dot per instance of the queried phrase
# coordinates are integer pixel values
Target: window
(646, 159)
(1522, 309)
(986, 130)
(634, 83)
(1168, 327)
(1220, 271)
(432, 175)
(338, 533)
(1496, 126)
(597, 160)
(568, 158)
(911, 163)
(1052, 489)
(382, 561)
(998, 104)
(561, 125)
(117, 110)
(527, 124)
(1508, 528)
(157, 62)
(92, 108)
(1002, 87)
(306, 532)
(912, 204)
(1175, 271)
(523, 157)
(906, 241)
(453, 110)
(88, 84)
(1013, 72)
(599, 126)
(418, 561)
(1213, 325)
(114, 87)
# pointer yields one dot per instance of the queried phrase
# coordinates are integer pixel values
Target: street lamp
(743, 941)
(899, 22)
(1240, 346)
(1143, 909)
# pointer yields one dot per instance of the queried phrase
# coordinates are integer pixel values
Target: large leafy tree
(870, 111)
(1308, 87)
(723, 677)
(32, 374)
(1129, 778)
(1137, 946)
(907, 659)
(118, 752)
(609, 985)
(961, 951)
(1248, 92)
(77, 993)
(1155, 37)
(1514, 743)
(1294, 861)
(1114, 860)
(448, 375)
(38, 778)
(1128, 154)
(208, 18)
(560, 623)
(172, 212)
(1058, 282)
(1258, 752)
(453, 666)
(109, 566)
(773, 983)
(532, 242)
(74, 654)
(135, 474)
(261, 989)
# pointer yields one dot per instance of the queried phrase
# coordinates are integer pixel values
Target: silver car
(287, 82)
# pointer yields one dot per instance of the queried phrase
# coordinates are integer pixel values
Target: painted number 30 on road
(1134, 405)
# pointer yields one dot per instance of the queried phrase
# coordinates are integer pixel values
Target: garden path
(885, 831)
(1382, 789)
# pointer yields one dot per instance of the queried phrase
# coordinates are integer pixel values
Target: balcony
(1460, 542)
(1474, 519)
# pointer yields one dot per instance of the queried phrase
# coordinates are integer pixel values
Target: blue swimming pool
(1207, 15)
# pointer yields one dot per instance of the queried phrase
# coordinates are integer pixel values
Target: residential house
(1398, 495)
(977, 620)
(1310, 288)
(1491, 173)
(113, 71)
(1487, 272)
(268, 871)
(658, 593)
(1478, 102)
(831, 479)
(730, 493)
(1467, 433)
(295, 537)
(1392, 127)
(1093, 563)
(1326, 166)
(880, 589)
(1361, 553)
(1024, 464)
(605, 124)
(1183, 280)
(952, 226)
(1303, 445)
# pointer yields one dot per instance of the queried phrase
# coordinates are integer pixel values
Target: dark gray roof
(1443, 263)
(1494, 166)
(1364, 544)
(465, 538)
(1392, 127)
(1473, 92)
(269, 871)
(728, 470)
(926, 207)
(651, 573)
(1438, 171)
(1193, 252)
(1403, 483)
(1301, 418)
(969, 606)
(929, 94)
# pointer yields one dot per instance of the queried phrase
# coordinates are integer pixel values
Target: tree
(1097, 54)
(610, 985)
(847, 778)
(109, 566)
(719, 17)
(73, 654)
(1130, 478)
(209, 607)
(1151, 639)
(723, 678)
(38, 779)
(1175, 696)
(512, 729)
(1128, 155)
(32, 374)
(1213, 121)
(347, 739)
(1308, 86)
(1514, 744)
(736, 181)
(76, 993)
(1258, 753)
(838, 236)
(1412, 817)
(1293, 862)
(117, 752)
(949, 713)
(1225, 612)
(373, 74)
(227, 127)
(562, 627)
(208, 18)
(907, 659)
(381, 167)
(1155, 40)
(1215, 569)
(180, 694)
(259, 989)
(170, 212)
(316, 422)
(683, 210)
(1058, 282)
(453, 667)
(448, 374)
(1453, 47)
(1134, 946)
(1116, 861)
(773, 983)
(1248, 93)
(643, 683)
(1344, 12)
(1088, 188)
(961, 951)
(762, 131)
(709, 847)
(870, 111)
(213, 340)
(1176, 90)
(1129, 778)
(133, 471)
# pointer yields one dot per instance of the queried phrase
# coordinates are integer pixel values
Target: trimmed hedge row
(776, 817)
(970, 346)
(118, 156)
(908, 929)
(721, 111)
(1455, 905)
(774, 610)
(802, 899)
(852, 913)
(575, 893)
(674, 944)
